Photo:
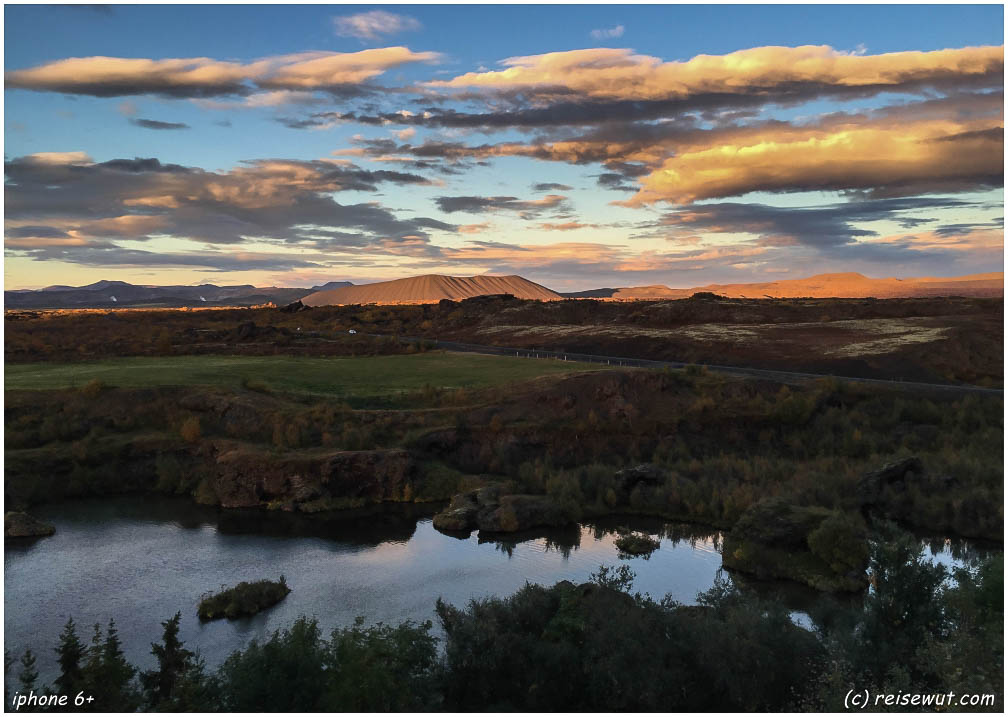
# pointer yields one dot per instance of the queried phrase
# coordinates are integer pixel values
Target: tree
(284, 674)
(108, 676)
(905, 606)
(28, 673)
(70, 652)
(176, 682)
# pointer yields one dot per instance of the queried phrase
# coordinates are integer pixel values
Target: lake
(141, 559)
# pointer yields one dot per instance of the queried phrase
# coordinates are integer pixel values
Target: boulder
(293, 307)
(488, 509)
(521, 512)
(23, 525)
(460, 515)
(895, 475)
(644, 473)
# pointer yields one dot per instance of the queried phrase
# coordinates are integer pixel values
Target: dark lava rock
(488, 509)
(895, 475)
(644, 473)
(311, 482)
(22, 525)
(294, 307)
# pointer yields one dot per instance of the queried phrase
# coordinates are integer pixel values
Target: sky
(579, 146)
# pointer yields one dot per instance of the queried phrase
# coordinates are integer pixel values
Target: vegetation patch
(400, 376)
(824, 549)
(632, 543)
(243, 599)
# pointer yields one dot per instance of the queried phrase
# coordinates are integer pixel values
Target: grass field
(360, 377)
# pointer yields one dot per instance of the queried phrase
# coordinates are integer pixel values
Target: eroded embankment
(678, 445)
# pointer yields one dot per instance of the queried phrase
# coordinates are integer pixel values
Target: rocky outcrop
(892, 475)
(646, 473)
(23, 525)
(489, 509)
(245, 478)
(824, 549)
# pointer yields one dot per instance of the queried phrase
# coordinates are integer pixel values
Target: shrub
(636, 543)
(840, 540)
(190, 431)
(93, 388)
(243, 599)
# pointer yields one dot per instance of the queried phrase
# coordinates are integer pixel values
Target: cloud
(374, 25)
(57, 158)
(107, 255)
(156, 124)
(527, 209)
(950, 144)
(607, 33)
(550, 187)
(879, 158)
(822, 226)
(79, 211)
(618, 74)
(565, 226)
(473, 228)
(127, 109)
(200, 77)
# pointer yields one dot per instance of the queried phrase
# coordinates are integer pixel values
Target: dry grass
(846, 339)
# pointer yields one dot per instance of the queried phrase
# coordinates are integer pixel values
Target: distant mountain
(332, 285)
(120, 294)
(589, 294)
(841, 285)
(431, 288)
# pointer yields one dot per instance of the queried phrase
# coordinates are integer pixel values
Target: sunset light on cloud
(576, 146)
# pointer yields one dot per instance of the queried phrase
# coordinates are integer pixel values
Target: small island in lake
(243, 599)
(635, 543)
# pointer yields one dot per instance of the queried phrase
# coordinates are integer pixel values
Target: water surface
(139, 560)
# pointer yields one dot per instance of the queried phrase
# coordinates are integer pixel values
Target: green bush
(243, 599)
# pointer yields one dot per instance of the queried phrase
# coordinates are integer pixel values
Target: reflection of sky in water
(116, 559)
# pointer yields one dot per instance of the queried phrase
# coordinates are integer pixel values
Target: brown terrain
(927, 339)
(430, 289)
(823, 286)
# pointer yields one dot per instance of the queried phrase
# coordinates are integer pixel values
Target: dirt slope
(431, 288)
(845, 285)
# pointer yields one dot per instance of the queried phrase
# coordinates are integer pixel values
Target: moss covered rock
(824, 549)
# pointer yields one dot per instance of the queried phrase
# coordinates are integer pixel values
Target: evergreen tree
(28, 673)
(70, 652)
(118, 674)
(107, 674)
(176, 683)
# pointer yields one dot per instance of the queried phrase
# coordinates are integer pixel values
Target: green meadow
(360, 377)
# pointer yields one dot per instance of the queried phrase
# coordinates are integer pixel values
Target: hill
(120, 294)
(431, 288)
(822, 286)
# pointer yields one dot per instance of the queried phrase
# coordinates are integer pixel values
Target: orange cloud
(618, 74)
(473, 228)
(881, 156)
(205, 77)
(565, 226)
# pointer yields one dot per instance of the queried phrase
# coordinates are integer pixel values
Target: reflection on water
(140, 560)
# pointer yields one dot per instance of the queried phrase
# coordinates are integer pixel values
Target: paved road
(783, 376)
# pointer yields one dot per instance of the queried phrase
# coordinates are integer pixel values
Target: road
(782, 376)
